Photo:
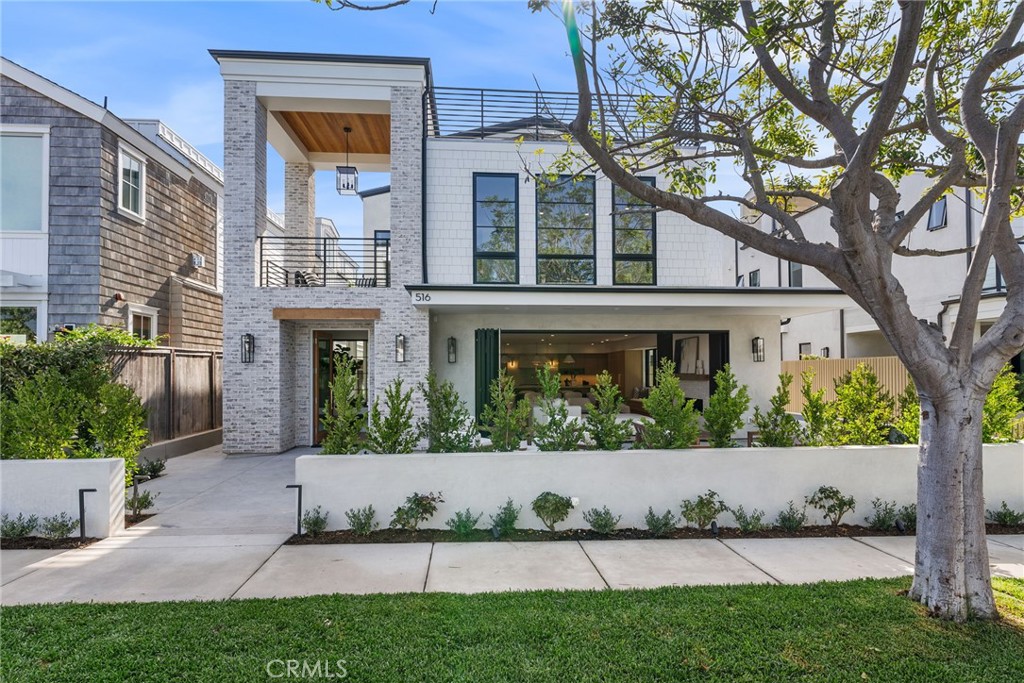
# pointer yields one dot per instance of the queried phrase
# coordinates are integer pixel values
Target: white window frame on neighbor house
(142, 311)
(126, 152)
(43, 132)
(38, 302)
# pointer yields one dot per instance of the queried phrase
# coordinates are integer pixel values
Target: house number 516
(420, 296)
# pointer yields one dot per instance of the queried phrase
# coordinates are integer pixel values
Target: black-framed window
(804, 349)
(796, 274)
(937, 215)
(741, 279)
(381, 238)
(496, 228)
(635, 240)
(754, 278)
(565, 231)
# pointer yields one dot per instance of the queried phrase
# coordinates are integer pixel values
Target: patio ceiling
(323, 132)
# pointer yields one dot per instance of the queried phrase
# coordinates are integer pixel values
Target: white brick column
(299, 199)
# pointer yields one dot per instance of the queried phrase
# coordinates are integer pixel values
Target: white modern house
(470, 261)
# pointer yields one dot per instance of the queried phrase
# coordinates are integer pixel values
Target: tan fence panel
(891, 375)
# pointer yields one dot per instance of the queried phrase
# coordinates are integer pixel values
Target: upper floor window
(495, 228)
(381, 238)
(142, 321)
(633, 259)
(754, 278)
(937, 215)
(565, 231)
(23, 182)
(131, 192)
(796, 274)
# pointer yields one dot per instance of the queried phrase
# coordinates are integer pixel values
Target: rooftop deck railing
(324, 262)
(482, 113)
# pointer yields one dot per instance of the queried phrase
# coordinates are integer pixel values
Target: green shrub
(552, 508)
(503, 523)
(602, 521)
(140, 501)
(394, 432)
(118, 426)
(1006, 516)
(1002, 406)
(862, 412)
(777, 428)
(748, 523)
(676, 422)
(603, 425)
(704, 510)
(814, 411)
(463, 524)
(558, 432)
(19, 527)
(724, 413)
(343, 416)
(659, 525)
(791, 518)
(418, 508)
(908, 513)
(153, 468)
(42, 417)
(58, 526)
(505, 418)
(832, 503)
(884, 516)
(908, 414)
(448, 426)
(314, 521)
(362, 520)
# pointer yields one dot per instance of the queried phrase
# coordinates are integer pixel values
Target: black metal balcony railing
(490, 113)
(324, 262)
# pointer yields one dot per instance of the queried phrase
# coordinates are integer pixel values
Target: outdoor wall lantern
(248, 348)
(399, 348)
(451, 350)
(824, 352)
(757, 349)
(348, 175)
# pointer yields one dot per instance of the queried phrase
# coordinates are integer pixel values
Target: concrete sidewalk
(221, 522)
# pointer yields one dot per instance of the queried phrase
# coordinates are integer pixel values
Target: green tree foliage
(676, 422)
(505, 418)
(908, 414)
(41, 418)
(1002, 410)
(813, 411)
(343, 417)
(448, 426)
(394, 432)
(724, 413)
(117, 425)
(607, 432)
(776, 427)
(862, 412)
(557, 431)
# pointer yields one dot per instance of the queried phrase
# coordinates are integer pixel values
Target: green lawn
(855, 631)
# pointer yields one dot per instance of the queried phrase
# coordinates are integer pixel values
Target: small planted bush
(552, 508)
(503, 522)
(418, 508)
(18, 527)
(814, 411)
(862, 412)
(558, 432)
(659, 525)
(884, 516)
(314, 521)
(776, 427)
(724, 413)
(362, 520)
(704, 510)
(505, 418)
(1002, 406)
(343, 416)
(140, 501)
(908, 515)
(606, 430)
(792, 518)
(448, 426)
(1006, 516)
(748, 522)
(58, 526)
(908, 414)
(153, 468)
(832, 503)
(463, 523)
(676, 422)
(392, 433)
(602, 521)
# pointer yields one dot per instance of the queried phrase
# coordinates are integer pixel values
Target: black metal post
(298, 515)
(81, 511)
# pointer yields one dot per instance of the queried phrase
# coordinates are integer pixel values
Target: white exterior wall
(630, 481)
(687, 254)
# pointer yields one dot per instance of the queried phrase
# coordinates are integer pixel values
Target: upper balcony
(324, 262)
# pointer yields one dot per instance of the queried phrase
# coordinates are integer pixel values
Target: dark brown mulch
(40, 543)
(132, 520)
(444, 536)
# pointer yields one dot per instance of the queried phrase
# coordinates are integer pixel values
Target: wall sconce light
(824, 352)
(399, 348)
(757, 349)
(248, 348)
(513, 364)
(451, 350)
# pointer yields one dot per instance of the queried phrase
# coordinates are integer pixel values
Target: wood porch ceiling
(323, 132)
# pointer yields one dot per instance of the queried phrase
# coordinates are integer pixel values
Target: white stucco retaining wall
(50, 487)
(630, 481)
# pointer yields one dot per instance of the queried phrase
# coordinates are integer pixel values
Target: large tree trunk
(951, 572)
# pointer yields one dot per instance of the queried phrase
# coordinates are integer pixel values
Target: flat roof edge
(319, 57)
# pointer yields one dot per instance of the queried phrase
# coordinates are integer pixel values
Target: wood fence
(181, 389)
(891, 375)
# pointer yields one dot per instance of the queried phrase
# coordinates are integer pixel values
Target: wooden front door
(328, 348)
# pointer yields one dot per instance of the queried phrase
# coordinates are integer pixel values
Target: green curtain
(487, 361)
